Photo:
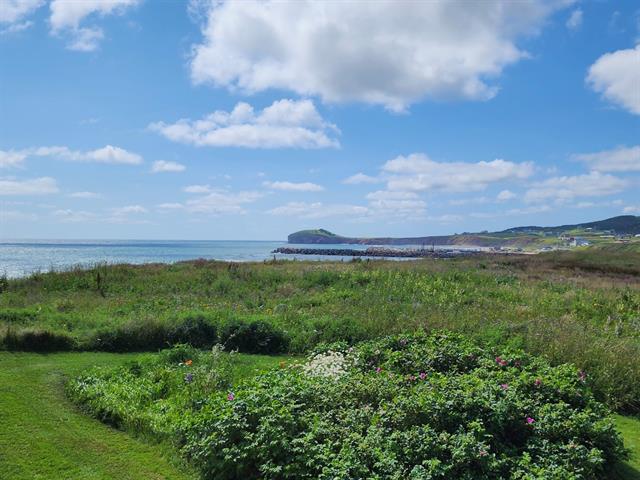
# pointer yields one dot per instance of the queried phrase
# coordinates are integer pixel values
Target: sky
(141, 119)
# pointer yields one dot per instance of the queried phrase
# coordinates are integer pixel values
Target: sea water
(23, 257)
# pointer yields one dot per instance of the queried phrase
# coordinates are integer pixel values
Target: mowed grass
(44, 436)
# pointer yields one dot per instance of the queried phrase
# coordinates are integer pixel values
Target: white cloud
(85, 195)
(74, 216)
(620, 159)
(36, 186)
(222, 202)
(11, 158)
(283, 124)
(86, 39)
(197, 189)
(396, 204)
(575, 19)
(505, 195)
(14, 11)
(68, 15)
(359, 178)
(617, 77)
(294, 187)
(128, 210)
(106, 154)
(170, 206)
(16, 27)
(384, 52)
(318, 210)
(593, 184)
(418, 172)
(164, 166)
(634, 210)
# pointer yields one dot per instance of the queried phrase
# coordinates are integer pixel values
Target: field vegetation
(576, 307)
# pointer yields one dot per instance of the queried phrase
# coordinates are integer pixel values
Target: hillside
(623, 224)
(517, 237)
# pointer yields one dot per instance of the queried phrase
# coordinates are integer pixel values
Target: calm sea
(23, 257)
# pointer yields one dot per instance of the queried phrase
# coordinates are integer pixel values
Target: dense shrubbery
(253, 337)
(415, 406)
(35, 340)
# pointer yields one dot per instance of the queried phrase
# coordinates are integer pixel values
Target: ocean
(19, 258)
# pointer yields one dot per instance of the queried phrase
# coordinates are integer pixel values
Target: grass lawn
(43, 436)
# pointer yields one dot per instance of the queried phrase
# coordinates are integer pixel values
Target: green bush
(36, 340)
(403, 407)
(254, 337)
(195, 330)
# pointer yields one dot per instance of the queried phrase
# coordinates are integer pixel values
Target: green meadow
(580, 308)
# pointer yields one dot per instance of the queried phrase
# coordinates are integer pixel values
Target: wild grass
(581, 307)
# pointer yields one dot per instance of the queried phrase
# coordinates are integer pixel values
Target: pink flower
(500, 361)
(231, 396)
(483, 453)
(423, 375)
(530, 420)
(582, 376)
(538, 382)
(411, 378)
(504, 386)
(378, 370)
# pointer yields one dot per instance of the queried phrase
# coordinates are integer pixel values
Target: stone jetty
(377, 252)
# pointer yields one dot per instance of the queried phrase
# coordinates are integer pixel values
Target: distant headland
(622, 229)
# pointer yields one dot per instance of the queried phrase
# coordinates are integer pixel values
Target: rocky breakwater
(376, 252)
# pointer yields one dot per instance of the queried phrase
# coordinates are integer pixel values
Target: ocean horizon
(23, 257)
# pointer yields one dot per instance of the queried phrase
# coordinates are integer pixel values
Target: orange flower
(188, 362)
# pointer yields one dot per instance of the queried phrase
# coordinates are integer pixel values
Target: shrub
(412, 406)
(254, 337)
(196, 330)
(36, 340)
(133, 336)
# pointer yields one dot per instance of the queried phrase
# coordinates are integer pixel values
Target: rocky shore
(377, 252)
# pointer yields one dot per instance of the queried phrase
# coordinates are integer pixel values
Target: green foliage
(254, 337)
(35, 340)
(408, 406)
(567, 306)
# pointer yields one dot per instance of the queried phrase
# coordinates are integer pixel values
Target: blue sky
(241, 120)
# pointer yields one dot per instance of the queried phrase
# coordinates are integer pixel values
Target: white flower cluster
(330, 365)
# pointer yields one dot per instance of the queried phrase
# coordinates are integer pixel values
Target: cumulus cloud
(561, 189)
(107, 154)
(35, 186)
(13, 12)
(632, 209)
(197, 189)
(294, 187)
(417, 172)
(68, 15)
(575, 19)
(11, 158)
(165, 166)
(85, 195)
(617, 77)
(74, 216)
(505, 195)
(620, 159)
(283, 124)
(398, 204)
(359, 178)
(222, 202)
(385, 52)
(319, 210)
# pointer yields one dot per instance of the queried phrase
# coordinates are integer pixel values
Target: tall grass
(579, 307)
